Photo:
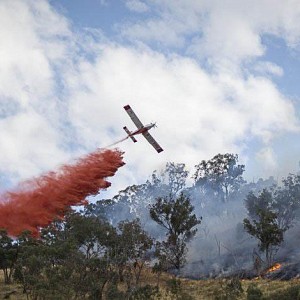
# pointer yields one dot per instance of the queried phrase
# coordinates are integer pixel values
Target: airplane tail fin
(128, 132)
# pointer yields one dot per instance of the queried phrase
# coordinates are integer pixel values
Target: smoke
(35, 203)
(221, 246)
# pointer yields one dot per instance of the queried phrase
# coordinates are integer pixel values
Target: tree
(30, 264)
(263, 223)
(91, 234)
(254, 203)
(72, 259)
(221, 173)
(94, 259)
(176, 216)
(286, 201)
(133, 201)
(175, 175)
(128, 204)
(135, 243)
(8, 255)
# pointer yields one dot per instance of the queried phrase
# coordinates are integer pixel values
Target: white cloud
(224, 32)
(28, 145)
(198, 114)
(52, 93)
(31, 46)
(32, 43)
(268, 68)
(137, 6)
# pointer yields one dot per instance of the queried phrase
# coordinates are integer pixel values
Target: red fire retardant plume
(37, 202)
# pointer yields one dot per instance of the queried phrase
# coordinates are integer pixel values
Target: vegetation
(191, 289)
(140, 243)
(176, 216)
(221, 174)
(271, 214)
(253, 292)
(264, 224)
(8, 255)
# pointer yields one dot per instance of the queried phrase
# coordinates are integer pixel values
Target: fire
(275, 267)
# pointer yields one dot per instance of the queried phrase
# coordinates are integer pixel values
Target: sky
(217, 76)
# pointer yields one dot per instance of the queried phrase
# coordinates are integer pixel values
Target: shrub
(254, 293)
(145, 293)
(231, 290)
(174, 288)
(291, 293)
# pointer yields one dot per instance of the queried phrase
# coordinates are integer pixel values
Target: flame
(275, 267)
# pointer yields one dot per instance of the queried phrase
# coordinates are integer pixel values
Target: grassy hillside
(196, 289)
(12, 291)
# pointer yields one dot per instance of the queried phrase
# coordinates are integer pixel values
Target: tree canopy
(177, 217)
(221, 173)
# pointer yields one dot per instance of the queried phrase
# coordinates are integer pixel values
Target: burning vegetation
(275, 267)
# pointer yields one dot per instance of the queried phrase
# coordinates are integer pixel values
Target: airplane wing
(152, 141)
(133, 117)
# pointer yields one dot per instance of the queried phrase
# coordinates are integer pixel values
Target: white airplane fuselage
(142, 130)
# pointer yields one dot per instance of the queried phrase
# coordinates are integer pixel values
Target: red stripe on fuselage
(142, 130)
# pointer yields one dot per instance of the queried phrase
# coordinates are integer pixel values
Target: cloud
(32, 46)
(198, 114)
(28, 146)
(63, 91)
(268, 68)
(223, 32)
(137, 6)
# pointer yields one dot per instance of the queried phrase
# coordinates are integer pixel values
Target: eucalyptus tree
(176, 216)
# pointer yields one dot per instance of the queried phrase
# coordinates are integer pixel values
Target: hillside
(196, 289)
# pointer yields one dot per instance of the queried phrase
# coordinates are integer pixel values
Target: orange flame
(275, 267)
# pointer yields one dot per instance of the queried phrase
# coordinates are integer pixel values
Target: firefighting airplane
(141, 129)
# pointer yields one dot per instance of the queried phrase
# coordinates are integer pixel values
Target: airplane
(144, 130)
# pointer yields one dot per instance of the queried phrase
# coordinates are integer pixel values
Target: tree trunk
(268, 257)
(7, 276)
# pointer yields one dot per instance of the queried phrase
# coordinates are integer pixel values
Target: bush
(114, 294)
(175, 289)
(254, 293)
(145, 293)
(291, 293)
(231, 290)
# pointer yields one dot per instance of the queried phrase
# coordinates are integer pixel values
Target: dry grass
(271, 286)
(198, 289)
(14, 290)
(209, 288)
